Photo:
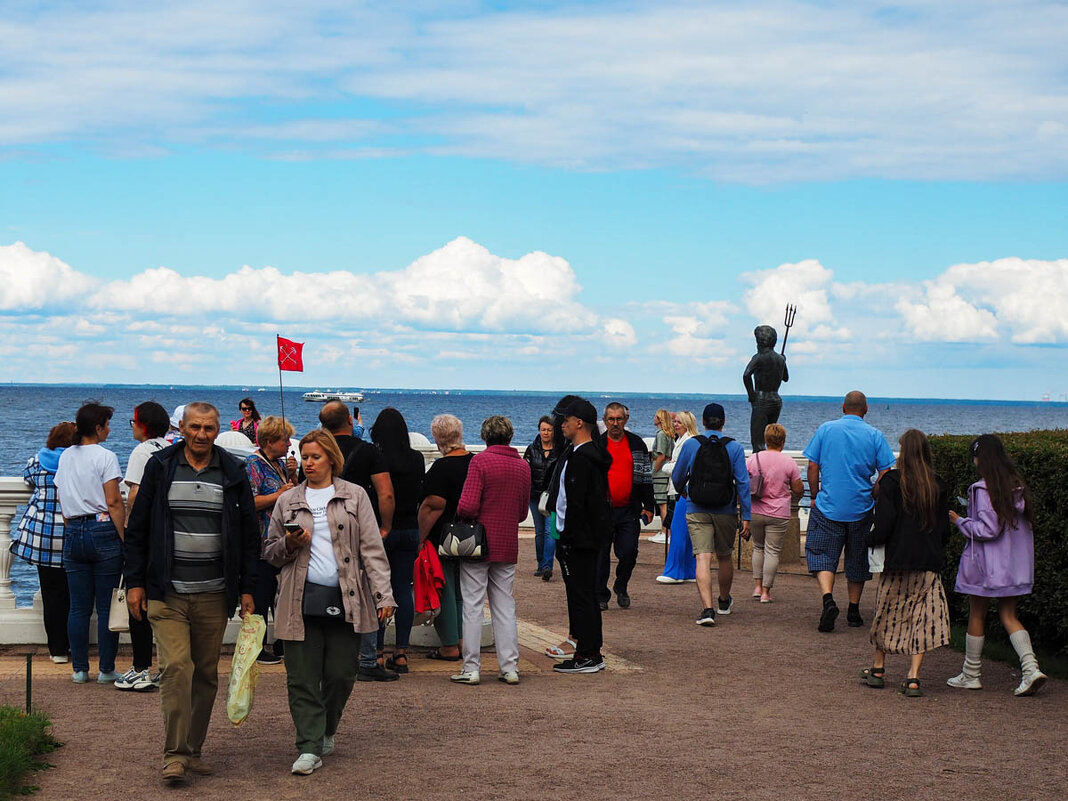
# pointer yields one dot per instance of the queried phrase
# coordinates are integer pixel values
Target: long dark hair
(997, 469)
(390, 434)
(919, 488)
(91, 416)
(252, 405)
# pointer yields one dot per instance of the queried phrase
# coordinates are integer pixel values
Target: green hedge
(22, 738)
(1042, 459)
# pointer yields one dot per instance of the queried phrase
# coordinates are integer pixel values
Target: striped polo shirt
(196, 503)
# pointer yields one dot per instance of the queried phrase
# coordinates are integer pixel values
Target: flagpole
(281, 396)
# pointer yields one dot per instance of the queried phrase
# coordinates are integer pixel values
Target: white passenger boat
(320, 396)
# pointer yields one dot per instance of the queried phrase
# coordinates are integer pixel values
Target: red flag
(290, 355)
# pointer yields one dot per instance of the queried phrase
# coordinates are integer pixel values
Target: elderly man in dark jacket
(584, 524)
(192, 547)
(630, 490)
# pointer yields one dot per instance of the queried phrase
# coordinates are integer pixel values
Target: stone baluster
(13, 491)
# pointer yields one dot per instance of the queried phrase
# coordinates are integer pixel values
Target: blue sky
(546, 196)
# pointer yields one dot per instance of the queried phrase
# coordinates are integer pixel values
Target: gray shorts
(712, 533)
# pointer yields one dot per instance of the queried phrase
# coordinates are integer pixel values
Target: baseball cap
(714, 411)
(176, 418)
(583, 410)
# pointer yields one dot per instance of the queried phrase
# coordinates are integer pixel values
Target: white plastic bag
(876, 558)
(245, 672)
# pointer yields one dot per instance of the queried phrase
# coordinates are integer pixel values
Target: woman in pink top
(496, 494)
(771, 511)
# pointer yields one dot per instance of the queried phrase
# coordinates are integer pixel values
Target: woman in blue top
(39, 538)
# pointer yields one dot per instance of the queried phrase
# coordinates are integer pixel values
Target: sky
(584, 195)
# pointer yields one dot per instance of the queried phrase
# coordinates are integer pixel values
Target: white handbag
(119, 615)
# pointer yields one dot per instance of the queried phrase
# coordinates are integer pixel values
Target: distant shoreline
(544, 393)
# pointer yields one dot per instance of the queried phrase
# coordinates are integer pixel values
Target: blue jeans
(544, 544)
(92, 557)
(402, 546)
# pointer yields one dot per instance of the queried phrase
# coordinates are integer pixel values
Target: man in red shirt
(630, 490)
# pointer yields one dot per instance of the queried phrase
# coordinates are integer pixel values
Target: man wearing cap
(584, 523)
(843, 456)
(712, 529)
(630, 489)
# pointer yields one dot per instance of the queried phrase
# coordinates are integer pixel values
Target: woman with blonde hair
(912, 523)
(333, 586)
(771, 510)
(270, 474)
(680, 565)
(663, 447)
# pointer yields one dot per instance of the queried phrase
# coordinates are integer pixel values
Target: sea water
(28, 412)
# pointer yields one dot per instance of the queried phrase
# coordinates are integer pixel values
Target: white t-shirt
(561, 495)
(83, 470)
(135, 468)
(322, 566)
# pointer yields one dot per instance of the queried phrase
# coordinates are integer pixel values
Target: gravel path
(759, 707)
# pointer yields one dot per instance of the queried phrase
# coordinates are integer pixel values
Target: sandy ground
(759, 707)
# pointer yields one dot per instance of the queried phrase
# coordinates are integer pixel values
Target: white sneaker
(470, 677)
(328, 744)
(306, 764)
(668, 580)
(129, 679)
(509, 677)
(59, 660)
(964, 682)
(659, 538)
(1030, 683)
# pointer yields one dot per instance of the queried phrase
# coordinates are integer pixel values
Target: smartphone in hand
(962, 501)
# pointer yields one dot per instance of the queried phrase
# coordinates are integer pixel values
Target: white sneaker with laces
(963, 681)
(127, 680)
(509, 677)
(659, 538)
(470, 677)
(668, 580)
(1030, 683)
(306, 764)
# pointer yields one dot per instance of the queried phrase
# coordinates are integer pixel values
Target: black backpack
(711, 482)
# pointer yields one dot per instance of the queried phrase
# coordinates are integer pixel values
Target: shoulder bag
(464, 539)
(119, 614)
(756, 484)
(322, 601)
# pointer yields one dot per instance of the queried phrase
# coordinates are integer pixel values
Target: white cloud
(807, 285)
(770, 90)
(31, 281)
(968, 302)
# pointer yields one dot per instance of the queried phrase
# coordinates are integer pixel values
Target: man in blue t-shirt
(843, 457)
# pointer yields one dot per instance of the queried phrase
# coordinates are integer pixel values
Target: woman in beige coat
(334, 576)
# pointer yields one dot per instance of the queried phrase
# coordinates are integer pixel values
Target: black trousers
(765, 412)
(266, 589)
(55, 595)
(141, 641)
(626, 528)
(579, 569)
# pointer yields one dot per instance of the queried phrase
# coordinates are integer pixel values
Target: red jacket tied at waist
(428, 580)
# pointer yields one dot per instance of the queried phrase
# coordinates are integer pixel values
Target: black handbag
(464, 540)
(322, 601)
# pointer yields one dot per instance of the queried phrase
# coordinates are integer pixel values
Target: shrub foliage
(1042, 460)
(22, 738)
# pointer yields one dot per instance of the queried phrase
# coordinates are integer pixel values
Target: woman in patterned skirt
(912, 522)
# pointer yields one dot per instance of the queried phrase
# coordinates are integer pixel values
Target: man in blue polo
(713, 528)
(843, 457)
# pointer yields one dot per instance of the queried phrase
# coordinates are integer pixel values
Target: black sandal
(391, 663)
(910, 688)
(874, 677)
(435, 653)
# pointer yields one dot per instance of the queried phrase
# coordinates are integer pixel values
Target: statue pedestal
(791, 544)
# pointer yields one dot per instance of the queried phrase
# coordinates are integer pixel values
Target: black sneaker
(623, 600)
(707, 617)
(828, 616)
(268, 658)
(853, 617)
(547, 575)
(725, 607)
(377, 673)
(539, 573)
(603, 605)
(584, 665)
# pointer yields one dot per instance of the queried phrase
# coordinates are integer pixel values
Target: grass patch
(22, 739)
(1052, 664)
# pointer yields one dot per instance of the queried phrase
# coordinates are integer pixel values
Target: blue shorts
(826, 538)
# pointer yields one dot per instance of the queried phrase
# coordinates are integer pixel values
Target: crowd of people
(329, 543)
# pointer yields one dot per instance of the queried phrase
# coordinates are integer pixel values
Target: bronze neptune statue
(762, 378)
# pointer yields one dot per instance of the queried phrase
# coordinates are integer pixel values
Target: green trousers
(448, 623)
(320, 671)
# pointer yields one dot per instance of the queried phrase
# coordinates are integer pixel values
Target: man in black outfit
(584, 520)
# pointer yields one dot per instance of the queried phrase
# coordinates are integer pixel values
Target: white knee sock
(973, 655)
(1021, 641)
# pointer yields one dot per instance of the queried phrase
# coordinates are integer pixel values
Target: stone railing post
(13, 491)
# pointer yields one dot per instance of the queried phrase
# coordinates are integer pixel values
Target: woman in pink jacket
(495, 494)
(998, 561)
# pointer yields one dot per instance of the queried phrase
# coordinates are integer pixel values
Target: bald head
(334, 417)
(855, 403)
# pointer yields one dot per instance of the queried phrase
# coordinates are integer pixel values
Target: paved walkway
(759, 707)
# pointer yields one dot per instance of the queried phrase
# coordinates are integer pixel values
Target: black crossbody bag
(322, 601)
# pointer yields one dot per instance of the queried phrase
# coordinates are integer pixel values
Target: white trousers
(495, 578)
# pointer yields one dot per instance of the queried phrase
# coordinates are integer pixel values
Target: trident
(791, 313)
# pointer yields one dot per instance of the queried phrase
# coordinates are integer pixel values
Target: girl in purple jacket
(998, 560)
